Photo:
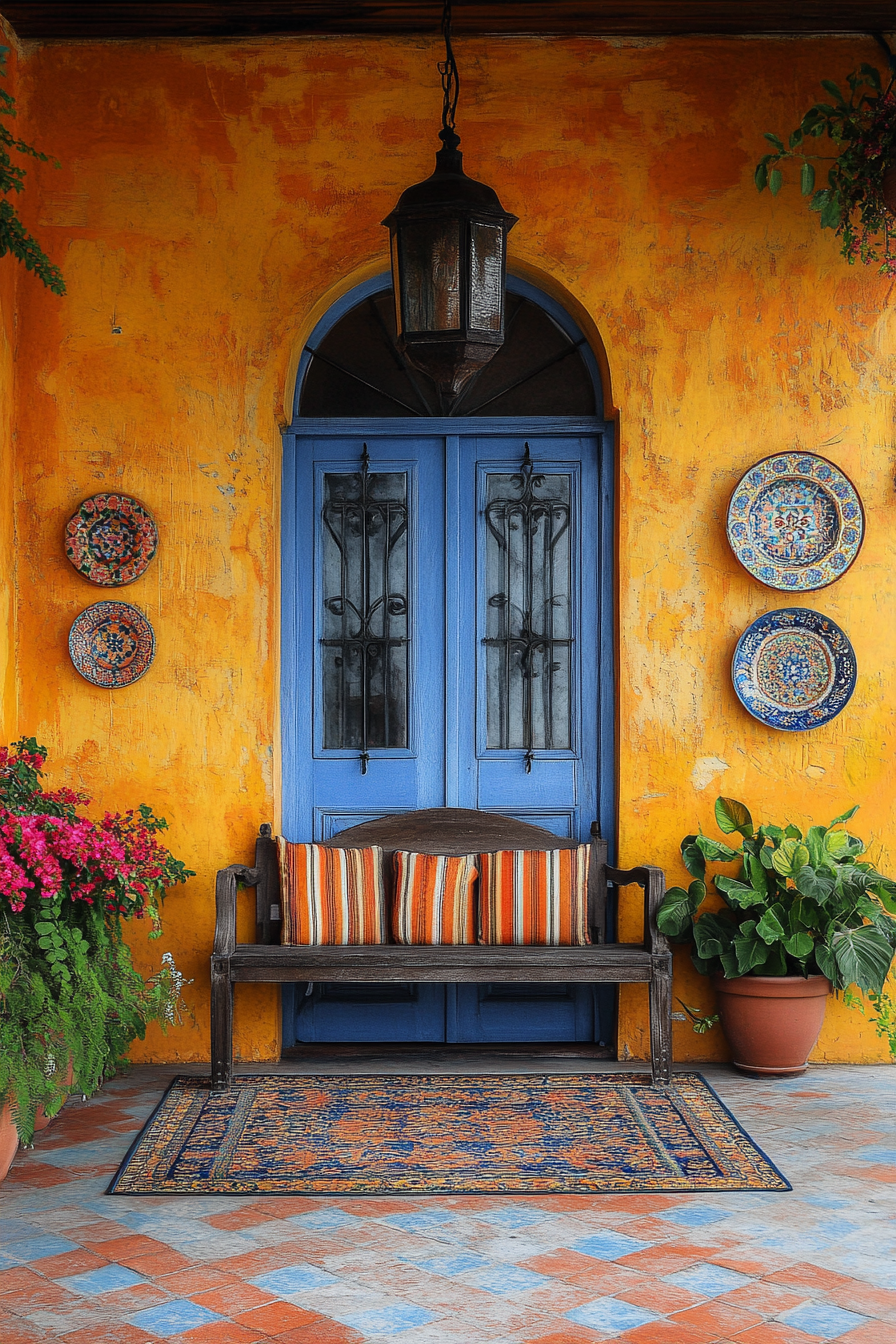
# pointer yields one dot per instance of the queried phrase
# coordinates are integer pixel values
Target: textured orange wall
(211, 195)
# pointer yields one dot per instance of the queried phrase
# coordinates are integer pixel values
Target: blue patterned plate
(795, 522)
(111, 644)
(794, 669)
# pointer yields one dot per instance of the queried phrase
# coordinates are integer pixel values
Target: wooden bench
(439, 830)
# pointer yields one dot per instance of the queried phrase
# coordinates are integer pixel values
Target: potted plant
(802, 914)
(71, 1001)
(860, 196)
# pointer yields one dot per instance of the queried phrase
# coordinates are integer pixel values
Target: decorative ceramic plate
(111, 539)
(111, 644)
(794, 669)
(795, 521)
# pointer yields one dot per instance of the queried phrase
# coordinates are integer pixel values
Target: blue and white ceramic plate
(794, 669)
(111, 644)
(795, 522)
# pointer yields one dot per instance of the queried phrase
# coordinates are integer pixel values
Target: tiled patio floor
(817, 1264)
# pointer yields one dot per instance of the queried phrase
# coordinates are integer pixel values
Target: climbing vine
(14, 237)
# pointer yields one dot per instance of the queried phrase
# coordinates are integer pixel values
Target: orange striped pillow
(535, 896)
(433, 900)
(331, 895)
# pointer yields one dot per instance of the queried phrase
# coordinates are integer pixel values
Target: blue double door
(446, 643)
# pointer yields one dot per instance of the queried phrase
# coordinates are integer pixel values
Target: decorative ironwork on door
(365, 635)
(528, 642)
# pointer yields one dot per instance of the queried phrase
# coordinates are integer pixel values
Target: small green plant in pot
(802, 914)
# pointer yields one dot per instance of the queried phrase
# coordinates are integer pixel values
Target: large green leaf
(790, 856)
(714, 850)
(774, 833)
(827, 964)
(799, 945)
(816, 885)
(863, 958)
(751, 953)
(885, 891)
(712, 935)
(733, 816)
(770, 928)
(844, 816)
(692, 857)
(677, 909)
(738, 894)
(792, 832)
(818, 855)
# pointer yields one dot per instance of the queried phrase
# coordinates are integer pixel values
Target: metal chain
(448, 72)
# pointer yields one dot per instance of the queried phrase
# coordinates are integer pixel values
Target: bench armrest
(653, 880)
(226, 884)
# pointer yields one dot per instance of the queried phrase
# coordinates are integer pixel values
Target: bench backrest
(434, 830)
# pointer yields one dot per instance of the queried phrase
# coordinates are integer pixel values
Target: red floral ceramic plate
(111, 644)
(111, 539)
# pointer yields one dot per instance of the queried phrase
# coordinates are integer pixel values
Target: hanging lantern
(449, 260)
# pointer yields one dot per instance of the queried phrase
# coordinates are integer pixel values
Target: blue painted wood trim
(515, 285)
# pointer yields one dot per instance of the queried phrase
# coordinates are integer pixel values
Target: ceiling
(86, 20)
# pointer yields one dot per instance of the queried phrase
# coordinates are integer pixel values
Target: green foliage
(71, 1001)
(862, 129)
(798, 905)
(884, 1019)
(701, 1022)
(14, 237)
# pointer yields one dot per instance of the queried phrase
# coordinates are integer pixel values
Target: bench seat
(439, 831)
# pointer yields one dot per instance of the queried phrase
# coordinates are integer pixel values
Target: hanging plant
(14, 237)
(862, 176)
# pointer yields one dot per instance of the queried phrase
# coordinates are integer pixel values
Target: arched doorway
(447, 621)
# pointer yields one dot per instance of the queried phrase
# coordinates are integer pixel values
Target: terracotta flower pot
(9, 1141)
(772, 1021)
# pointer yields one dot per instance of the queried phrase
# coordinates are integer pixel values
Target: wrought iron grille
(528, 640)
(365, 635)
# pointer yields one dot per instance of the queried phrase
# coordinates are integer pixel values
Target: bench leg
(661, 1019)
(222, 1026)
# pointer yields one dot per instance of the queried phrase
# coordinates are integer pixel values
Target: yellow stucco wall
(8, 280)
(212, 194)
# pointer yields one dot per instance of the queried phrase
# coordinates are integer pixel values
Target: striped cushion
(537, 896)
(331, 895)
(433, 900)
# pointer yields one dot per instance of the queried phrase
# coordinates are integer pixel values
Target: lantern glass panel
(430, 275)
(487, 245)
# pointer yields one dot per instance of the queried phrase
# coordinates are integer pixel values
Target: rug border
(428, 1194)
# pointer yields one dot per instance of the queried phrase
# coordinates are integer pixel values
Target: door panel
(441, 636)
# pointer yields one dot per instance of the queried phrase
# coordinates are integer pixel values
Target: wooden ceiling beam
(102, 20)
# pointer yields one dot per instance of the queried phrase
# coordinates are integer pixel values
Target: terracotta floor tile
(91, 1234)
(36, 1175)
(715, 1317)
(232, 1300)
(803, 1275)
(196, 1279)
(123, 1301)
(261, 1262)
(108, 1332)
(865, 1298)
(557, 1297)
(276, 1317)
(21, 1332)
(767, 1298)
(322, 1331)
(652, 1229)
(44, 1294)
(122, 1249)
(578, 1269)
(667, 1332)
(18, 1280)
(661, 1260)
(222, 1332)
(163, 1262)
(753, 1263)
(658, 1296)
(73, 1262)
(775, 1332)
(874, 1332)
(238, 1219)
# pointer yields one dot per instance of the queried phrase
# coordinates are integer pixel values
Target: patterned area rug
(446, 1134)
